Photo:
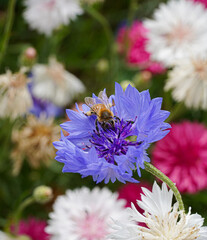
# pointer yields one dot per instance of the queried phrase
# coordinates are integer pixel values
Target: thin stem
(7, 31)
(157, 173)
(108, 32)
(133, 6)
(102, 20)
(177, 111)
(20, 209)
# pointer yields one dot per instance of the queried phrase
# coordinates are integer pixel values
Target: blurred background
(75, 59)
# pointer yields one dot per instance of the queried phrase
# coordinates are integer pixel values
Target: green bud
(42, 194)
(142, 80)
(103, 65)
(23, 237)
(125, 83)
(28, 57)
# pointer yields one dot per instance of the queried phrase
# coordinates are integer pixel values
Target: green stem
(133, 6)
(157, 173)
(7, 31)
(102, 20)
(177, 111)
(108, 32)
(28, 201)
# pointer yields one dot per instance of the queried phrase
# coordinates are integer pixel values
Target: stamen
(111, 141)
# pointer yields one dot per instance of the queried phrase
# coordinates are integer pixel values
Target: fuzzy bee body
(100, 107)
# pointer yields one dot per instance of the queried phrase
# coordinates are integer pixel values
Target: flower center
(172, 226)
(18, 80)
(110, 139)
(200, 67)
(92, 227)
(50, 4)
(56, 72)
(180, 33)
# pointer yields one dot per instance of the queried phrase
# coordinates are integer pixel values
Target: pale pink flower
(84, 214)
(182, 156)
(132, 43)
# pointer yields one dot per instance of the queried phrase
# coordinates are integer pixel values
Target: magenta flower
(131, 192)
(33, 228)
(132, 43)
(204, 2)
(182, 156)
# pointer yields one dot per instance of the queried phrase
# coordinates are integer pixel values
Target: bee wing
(90, 102)
(104, 99)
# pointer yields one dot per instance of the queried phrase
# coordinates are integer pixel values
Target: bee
(100, 107)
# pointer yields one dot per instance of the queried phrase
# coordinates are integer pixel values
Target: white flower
(47, 15)
(188, 80)
(84, 214)
(15, 99)
(52, 82)
(178, 28)
(4, 236)
(163, 221)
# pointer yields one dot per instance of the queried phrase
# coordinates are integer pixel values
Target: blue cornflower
(112, 150)
(42, 106)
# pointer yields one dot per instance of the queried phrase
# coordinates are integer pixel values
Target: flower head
(46, 107)
(177, 29)
(33, 228)
(47, 15)
(53, 83)
(34, 141)
(132, 43)
(84, 214)
(204, 2)
(112, 150)
(188, 81)
(43, 106)
(182, 156)
(15, 99)
(163, 220)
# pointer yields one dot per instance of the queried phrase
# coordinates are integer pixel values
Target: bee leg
(117, 119)
(89, 113)
(96, 124)
(111, 122)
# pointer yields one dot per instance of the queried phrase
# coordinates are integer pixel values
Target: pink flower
(33, 228)
(204, 2)
(131, 192)
(132, 44)
(182, 156)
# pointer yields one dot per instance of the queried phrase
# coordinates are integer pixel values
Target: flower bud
(23, 237)
(125, 83)
(30, 53)
(28, 57)
(102, 65)
(42, 194)
(142, 80)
